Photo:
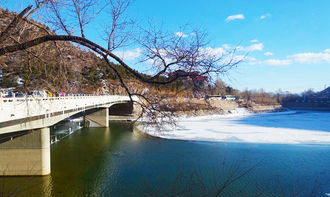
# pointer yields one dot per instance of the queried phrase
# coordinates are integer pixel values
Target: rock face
(53, 64)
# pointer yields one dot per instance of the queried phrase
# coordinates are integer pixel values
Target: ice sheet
(244, 127)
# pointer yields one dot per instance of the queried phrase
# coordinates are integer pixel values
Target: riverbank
(201, 107)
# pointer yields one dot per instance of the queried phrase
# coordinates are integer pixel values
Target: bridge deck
(19, 110)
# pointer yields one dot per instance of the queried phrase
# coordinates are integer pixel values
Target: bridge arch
(121, 109)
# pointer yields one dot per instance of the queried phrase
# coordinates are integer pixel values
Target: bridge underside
(121, 109)
(25, 144)
(98, 118)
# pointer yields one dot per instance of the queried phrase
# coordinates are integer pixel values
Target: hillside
(52, 65)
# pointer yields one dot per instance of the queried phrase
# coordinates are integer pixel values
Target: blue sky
(287, 42)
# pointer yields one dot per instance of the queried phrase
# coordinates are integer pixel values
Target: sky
(287, 42)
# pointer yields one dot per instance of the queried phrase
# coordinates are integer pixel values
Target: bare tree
(117, 33)
(171, 56)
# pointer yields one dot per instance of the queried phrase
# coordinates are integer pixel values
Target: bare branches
(70, 15)
(168, 53)
(173, 57)
(57, 20)
(67, 15)
(82, 10)
(117, 33)
(39, 4)
(105, 57)
(5, 33)
(84, 42)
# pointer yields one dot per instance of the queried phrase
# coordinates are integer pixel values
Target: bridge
(25, 122)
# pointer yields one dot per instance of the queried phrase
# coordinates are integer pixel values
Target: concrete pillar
(27, 155)
(99, 118)
(137, 110)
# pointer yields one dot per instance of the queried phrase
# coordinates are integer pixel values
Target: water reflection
(64, 129)
(115, 161)
(87, 159)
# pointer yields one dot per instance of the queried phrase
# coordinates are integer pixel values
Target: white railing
(24, 107)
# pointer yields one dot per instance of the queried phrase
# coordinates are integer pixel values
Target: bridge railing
(22, 107)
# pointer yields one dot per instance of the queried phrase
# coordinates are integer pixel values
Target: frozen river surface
(290, 127)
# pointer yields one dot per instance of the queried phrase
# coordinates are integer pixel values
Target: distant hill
(325, 93)
(311, 101)
(49, 65)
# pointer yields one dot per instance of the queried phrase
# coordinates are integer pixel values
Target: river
(116, 161)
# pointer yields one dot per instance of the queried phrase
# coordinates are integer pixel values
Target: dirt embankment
(226, 106)
(264, 108)
(197, 107)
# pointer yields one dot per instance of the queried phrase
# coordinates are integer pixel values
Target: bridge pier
(98, 118)
(27, 155)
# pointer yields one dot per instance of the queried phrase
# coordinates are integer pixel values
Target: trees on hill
(71, 21)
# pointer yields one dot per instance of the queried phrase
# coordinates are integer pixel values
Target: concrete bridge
(25, 122)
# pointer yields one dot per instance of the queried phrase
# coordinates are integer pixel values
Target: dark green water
(119, 162)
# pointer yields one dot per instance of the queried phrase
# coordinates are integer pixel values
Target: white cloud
(268, 54)
(227, 47)
(254, 41)
(262, 17)
(235, 17)
(311, 58)
(327, 51)
(181, 34)
(255, 47)
(214, 51)
(132, 54)
(226, 55)
(251, 48)
(248, 59)
(276, 62)
(299, 58)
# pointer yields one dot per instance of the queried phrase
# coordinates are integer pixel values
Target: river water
(118, 161)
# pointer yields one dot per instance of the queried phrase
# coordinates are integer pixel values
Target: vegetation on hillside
(246, 97)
